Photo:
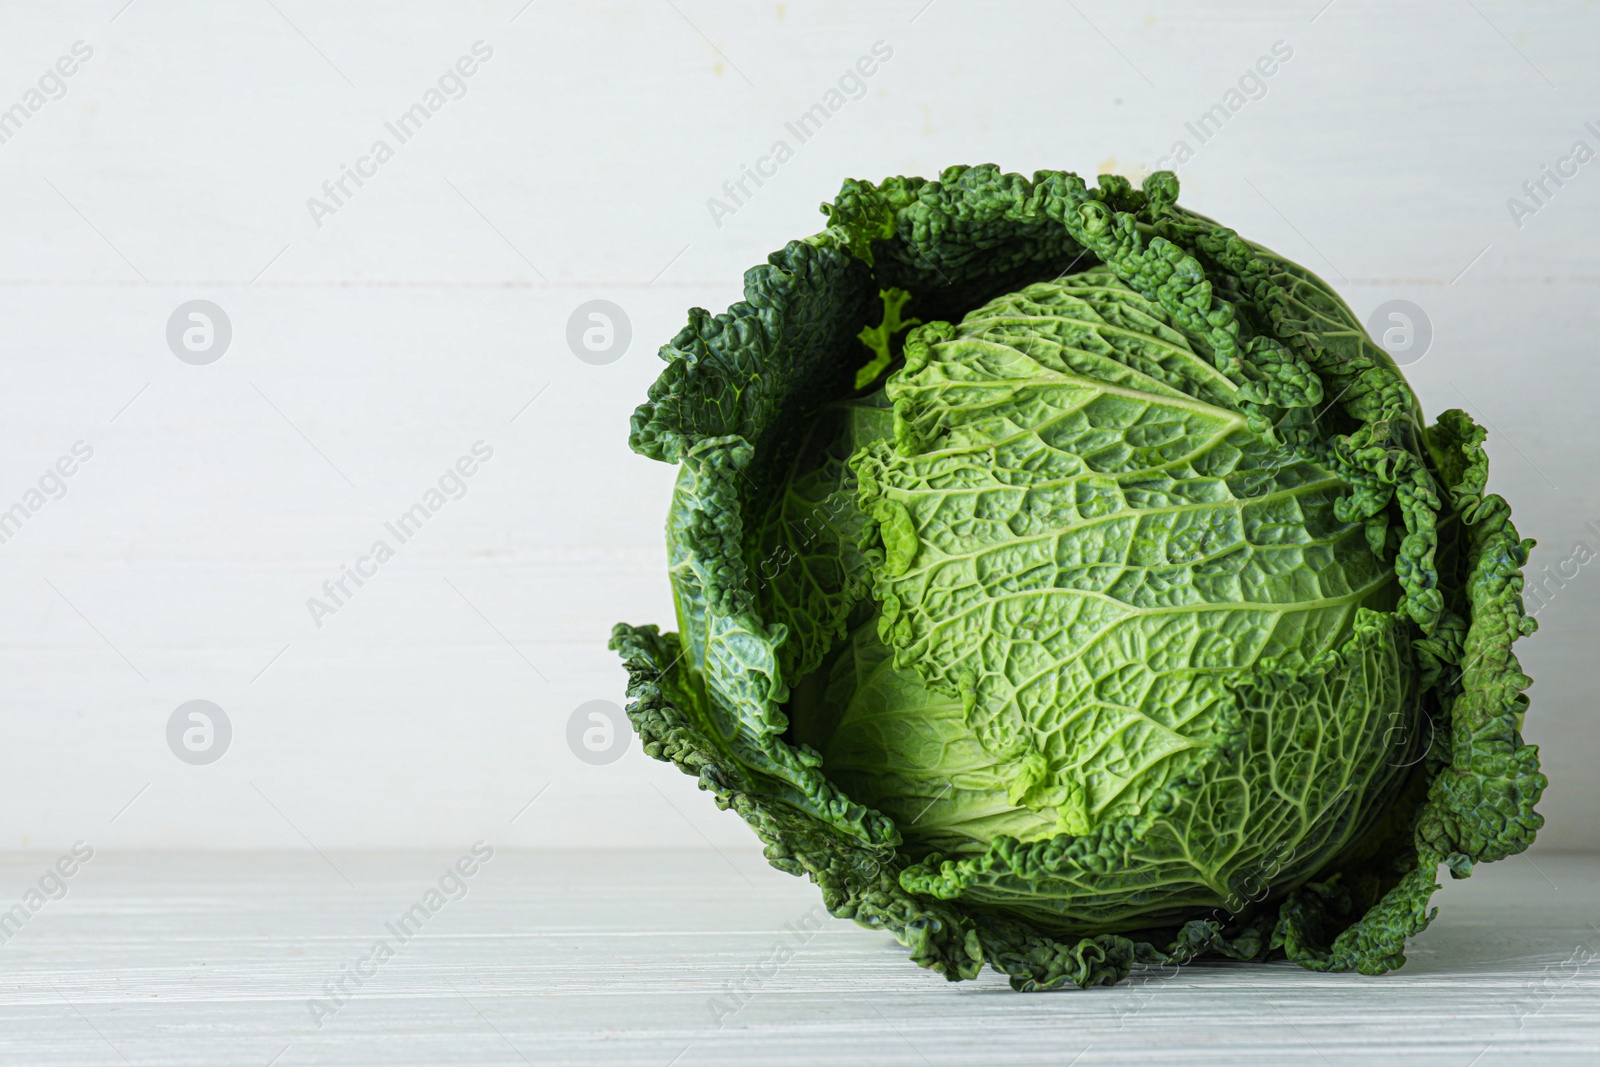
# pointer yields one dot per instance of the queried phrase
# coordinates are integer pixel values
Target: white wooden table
(627, 958)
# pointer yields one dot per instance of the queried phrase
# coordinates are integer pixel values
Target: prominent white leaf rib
(1214, 377)
(1050, 376)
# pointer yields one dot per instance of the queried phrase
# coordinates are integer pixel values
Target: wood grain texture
(629, 958)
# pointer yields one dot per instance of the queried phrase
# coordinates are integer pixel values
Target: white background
(371, 351)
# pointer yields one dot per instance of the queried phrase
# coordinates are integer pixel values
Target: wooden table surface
(630, 958)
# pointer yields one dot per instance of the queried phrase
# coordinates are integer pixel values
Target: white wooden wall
(374, 345)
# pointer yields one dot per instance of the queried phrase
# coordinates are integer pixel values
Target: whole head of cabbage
(1065, 582)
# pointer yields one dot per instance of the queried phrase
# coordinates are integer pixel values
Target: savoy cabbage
(1065, 582)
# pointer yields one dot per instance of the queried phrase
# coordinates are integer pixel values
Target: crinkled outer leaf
(1299, 770)
(764, 366)
(757, 406)
(730, 656)
(805, 558)
(858, 881)
(1480, 807)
